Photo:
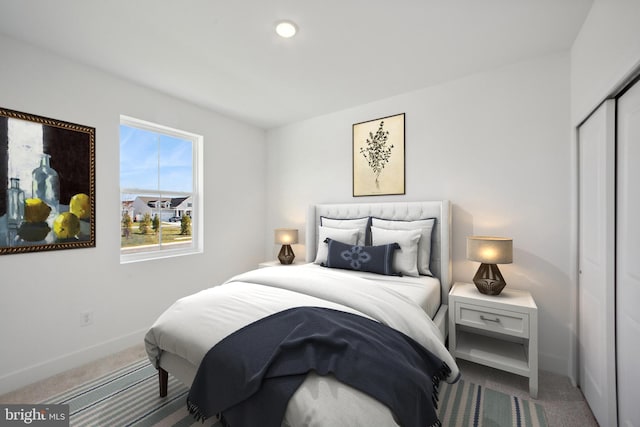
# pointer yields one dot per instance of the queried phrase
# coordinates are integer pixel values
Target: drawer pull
(486, 319)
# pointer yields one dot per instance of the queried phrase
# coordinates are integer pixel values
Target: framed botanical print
(379, 157)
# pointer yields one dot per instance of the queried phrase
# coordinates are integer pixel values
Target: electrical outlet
(86, 318)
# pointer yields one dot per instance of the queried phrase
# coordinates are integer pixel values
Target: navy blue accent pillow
(374, 259)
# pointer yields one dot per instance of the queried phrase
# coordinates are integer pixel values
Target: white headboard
(407, 211)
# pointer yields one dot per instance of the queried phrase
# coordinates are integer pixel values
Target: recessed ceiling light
(286, 29)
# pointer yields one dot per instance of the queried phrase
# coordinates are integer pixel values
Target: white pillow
(405, 260)
(360, 223)
(424, 245)
(348, 236)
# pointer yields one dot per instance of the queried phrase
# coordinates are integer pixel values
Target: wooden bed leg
(163, 380)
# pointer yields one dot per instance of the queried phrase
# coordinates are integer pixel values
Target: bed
(414, 304)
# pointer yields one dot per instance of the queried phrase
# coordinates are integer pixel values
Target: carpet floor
(129, 397)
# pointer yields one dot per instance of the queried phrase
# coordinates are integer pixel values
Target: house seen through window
(160, 184)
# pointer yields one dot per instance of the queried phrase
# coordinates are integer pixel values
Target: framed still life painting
(47, 184)
(378, 157)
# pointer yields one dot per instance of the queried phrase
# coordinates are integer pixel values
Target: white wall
(604, 53)
(42, 294)
(496, 144)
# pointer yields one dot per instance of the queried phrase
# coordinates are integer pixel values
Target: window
(160, 191)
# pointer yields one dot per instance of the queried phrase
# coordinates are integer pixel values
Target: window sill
(127, 258)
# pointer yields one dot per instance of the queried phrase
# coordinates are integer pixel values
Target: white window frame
(197, 223)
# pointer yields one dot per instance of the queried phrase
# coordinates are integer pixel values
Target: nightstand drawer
(493, 319)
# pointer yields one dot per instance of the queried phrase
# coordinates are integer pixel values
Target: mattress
(422, 290)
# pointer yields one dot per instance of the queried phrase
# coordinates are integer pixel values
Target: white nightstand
(276, 263)
(500, 331)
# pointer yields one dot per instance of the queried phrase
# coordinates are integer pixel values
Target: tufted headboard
(407, 211)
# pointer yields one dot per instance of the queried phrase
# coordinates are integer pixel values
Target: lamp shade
(490, 250)
(286, 236)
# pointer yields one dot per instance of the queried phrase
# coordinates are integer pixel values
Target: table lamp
(489, 251)
(286, 237)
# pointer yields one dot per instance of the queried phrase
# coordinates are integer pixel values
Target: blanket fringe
(437, 377)
(197, 414)
(195, 411)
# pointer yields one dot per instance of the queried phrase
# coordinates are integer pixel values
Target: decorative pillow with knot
(374, 259)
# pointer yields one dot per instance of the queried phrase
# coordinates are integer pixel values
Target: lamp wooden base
(286, 255)
(489, 280)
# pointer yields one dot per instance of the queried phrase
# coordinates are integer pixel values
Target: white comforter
(194, 324)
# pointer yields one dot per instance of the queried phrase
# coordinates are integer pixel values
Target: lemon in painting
(66, 225)
(80, 206)
(35, 210)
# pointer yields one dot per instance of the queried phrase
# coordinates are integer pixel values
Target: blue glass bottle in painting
(15, 204)
(46, 184)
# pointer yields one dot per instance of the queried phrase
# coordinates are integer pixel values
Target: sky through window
(149, 160)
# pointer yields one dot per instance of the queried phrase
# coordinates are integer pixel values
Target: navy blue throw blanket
(248, 378)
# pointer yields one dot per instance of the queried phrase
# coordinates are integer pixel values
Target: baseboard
(40, 371)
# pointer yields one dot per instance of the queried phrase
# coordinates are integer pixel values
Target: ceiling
(225, 55)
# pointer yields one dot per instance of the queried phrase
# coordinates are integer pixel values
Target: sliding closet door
(596, 294)
(628, 258)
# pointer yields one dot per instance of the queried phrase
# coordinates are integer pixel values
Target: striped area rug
(129, 397)
(466, 404)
